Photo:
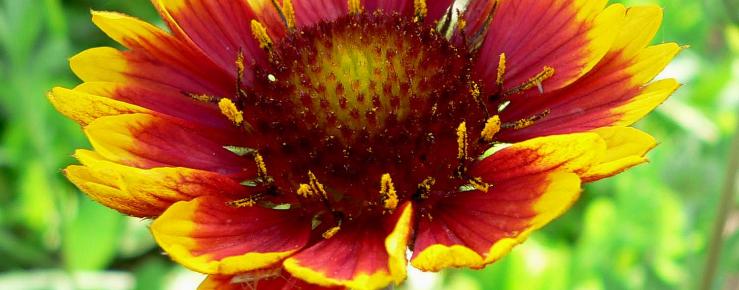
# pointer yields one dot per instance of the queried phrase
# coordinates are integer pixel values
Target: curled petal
(362, 255)
(208, 236)
(626, 148)
(144, 192)
(84, 108)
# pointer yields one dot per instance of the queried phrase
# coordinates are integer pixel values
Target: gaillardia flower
(310, 144)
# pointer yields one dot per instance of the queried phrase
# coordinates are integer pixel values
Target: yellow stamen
(462, 141)
(461, 24)
(501, 70)
(330, 232)
(425, 187)
(355, 7)
(304, 190)
(201, 97)
(546, 73)
(261, 166)
(244, 202)
(289, 11)
(478, 184)
(387, 190)
(420, 9)
(316, 187)
(475, 91)
(492, 127)
(260, 34)
(523, 123)
(228, 109)
(240, 64)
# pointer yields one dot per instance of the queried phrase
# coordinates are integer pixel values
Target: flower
(312, 143)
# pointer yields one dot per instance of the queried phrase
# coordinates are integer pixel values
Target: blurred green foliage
(648, 228)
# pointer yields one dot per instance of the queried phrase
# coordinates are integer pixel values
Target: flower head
(312, 143)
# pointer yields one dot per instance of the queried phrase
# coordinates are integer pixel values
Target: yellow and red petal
(531, 183)
(614, 93)
(366, 254)
(145, 192)
(222, 28)
(208, 236)
(476, 228)
(146, 141)
(626, 148)
(570, 36)
(84, 108)
(268, 279)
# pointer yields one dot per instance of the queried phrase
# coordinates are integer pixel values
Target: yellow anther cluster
(425, 187)
(420, 9)
(228, 109)
(492, 127)
(261, 166)
(478, 184)
(330, 232)
(260, 34)
(289, 11)
(501, 70)
(387, 191)
(546, 73)
(462, 142)
(201, 97)
(240, 67)
(316, 186)
(244, 202)
(523, 123)
(304, 190)
(475, 91)
(355, 7)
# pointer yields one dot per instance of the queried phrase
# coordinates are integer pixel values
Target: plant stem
(725, 202)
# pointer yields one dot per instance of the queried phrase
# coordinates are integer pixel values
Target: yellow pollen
(387, 190)
(501, 70)
(355, 7)
(228, 109)
(304, 190)
(289, 11)
(475, 91)
(315, 186)
(546, 73)
(261, 166)
(523, 123)
(240, 64)
(260, 34)
(478, 184)
(461, 24)
(420, 8)
(201, 97)
(244, 202)
(330, 232)
(425, 187)
(492, 127)
(462, 141)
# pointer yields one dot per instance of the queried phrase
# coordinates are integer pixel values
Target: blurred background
(653, 227)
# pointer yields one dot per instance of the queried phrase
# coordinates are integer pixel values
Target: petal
(572, 152)
(208, 236)
(152, 189)
(167, 102)
(268, 279)
(435, 8)
(626, 148)
(531, 183)
(475, 228)
(570, 36)
(362, 255)
(222, 28)
(84, 108)
(146, 141)
(148, 42)
(613, 93)
(310, 12)
(107, 64)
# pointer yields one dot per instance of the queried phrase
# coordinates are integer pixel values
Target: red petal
(269, 279)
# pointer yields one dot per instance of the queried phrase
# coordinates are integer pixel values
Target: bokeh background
(653, 227)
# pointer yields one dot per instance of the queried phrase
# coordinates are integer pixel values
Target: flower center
(371, 107)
